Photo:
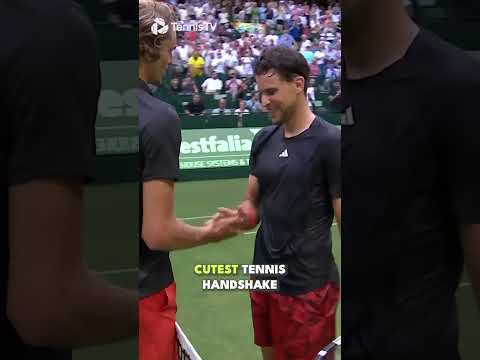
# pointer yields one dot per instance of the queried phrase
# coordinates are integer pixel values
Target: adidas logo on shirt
(284, 153)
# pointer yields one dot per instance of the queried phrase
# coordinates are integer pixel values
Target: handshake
(228, 223)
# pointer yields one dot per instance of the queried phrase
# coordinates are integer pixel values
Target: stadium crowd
(221, 60)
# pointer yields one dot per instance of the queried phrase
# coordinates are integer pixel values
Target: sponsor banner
(117, 113)
(214, 148)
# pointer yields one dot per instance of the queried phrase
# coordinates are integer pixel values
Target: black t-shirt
(195, 109)
(298, 178)
(48, 95)
(160, 138)
(410, 163)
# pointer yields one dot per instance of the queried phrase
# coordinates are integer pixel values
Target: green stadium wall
(219, 144)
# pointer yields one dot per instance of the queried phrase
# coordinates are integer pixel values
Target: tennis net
(185, 349)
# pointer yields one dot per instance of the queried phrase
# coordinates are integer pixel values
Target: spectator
(238, 7)
(331, 73)
(175, 86)
(315, 31)
(253, 104)
(256, 50)
(242, 108)
(212, 85)
(263, 12)
(218, 64)
(182, 12)
(176, 65)
(240, 112)
(334, 97)
(235, 87)
(311, 93)
(227, 49)
(209, 57)
(197, 64)
(245, 68)
(286, 40)
(223, 16)
(195, 107)
(272, 37)
(191, 36)
(305, 42)
(320, 55)
(296, 30)
(231, 59)
(308, 54)
(332, 53)
(222, 108)
(188, 85)
(184, 51)
(255, 13)
(336, 14)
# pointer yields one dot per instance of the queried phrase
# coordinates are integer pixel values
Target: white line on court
(196, 217)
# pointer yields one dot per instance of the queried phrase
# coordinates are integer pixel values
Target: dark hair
(287, 62)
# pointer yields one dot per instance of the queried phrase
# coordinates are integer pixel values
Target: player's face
(279, 97)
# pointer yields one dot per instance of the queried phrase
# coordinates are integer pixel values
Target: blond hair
(149, 43)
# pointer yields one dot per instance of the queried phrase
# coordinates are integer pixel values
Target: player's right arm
(160, 140)
(162, 230)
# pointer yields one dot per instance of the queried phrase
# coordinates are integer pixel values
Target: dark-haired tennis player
(294, 185)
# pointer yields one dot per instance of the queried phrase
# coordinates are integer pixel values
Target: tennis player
(161, 231)
(294, 187)
(50, 300)
(411, 185)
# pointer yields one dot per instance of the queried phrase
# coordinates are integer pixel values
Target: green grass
(217, 323)
(111, 220)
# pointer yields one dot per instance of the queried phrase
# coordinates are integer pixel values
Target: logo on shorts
(284, 153)
(159, 27)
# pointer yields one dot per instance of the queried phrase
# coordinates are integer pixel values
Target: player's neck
(299, 121)
(375, 39)
(148, 74)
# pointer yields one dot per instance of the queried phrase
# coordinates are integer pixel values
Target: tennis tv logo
(159, 27)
